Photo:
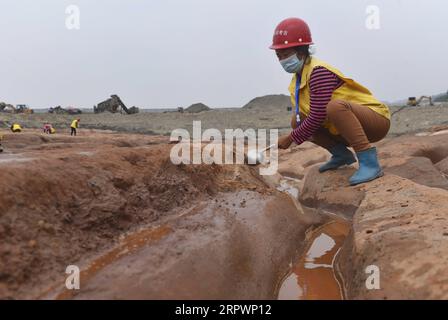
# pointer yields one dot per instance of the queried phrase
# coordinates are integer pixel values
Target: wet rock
(293, 162)
(331, 192)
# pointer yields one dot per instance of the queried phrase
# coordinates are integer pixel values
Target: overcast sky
(170, 53)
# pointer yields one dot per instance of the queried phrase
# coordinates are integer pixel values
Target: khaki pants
(357, 125)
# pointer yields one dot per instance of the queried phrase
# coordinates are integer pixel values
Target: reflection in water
(313, 277)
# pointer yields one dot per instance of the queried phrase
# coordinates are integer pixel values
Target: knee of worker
(334, 107)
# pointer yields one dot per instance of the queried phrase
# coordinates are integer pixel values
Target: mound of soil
(197, 107)
(269, 101)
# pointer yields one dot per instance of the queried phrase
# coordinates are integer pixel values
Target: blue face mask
(292, 64)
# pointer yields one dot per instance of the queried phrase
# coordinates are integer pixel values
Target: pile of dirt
(64, 200)
(270, 101)
(197, 107)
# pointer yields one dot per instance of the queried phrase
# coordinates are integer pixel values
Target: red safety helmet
(291, 32)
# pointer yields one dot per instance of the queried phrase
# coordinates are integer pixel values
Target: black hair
(303, 50)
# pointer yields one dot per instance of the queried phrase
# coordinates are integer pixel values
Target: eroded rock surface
(399, 224)
(137, 225)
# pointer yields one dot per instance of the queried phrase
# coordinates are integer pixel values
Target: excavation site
(223, 159)
(139, 227)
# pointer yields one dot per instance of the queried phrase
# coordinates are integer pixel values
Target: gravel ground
(414, 119)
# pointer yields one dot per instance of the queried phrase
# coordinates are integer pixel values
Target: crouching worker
(16, 128)
(74, 126)
(331, 110)
(49, 129)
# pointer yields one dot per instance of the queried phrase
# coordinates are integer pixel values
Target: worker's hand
(285, 142)
(293, 122)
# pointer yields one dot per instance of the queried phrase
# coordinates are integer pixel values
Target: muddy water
(128, 245)
(313, 276)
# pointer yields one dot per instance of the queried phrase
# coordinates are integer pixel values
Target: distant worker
(47, 128)
(1, 147)
(16, 128)
(74, 126)
(331, 110)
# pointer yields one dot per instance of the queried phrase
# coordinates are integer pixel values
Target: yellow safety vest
(16, 127)
(74, 124)
(350, 91)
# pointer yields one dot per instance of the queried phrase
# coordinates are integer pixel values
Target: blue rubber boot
(369, 168)
(340, 156)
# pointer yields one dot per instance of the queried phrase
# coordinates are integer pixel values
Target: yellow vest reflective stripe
(350, 91)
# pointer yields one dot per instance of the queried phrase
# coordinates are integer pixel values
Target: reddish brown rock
(418, 169)
(400, 227)
(293, 162)
(433, 147)
(399, 220)
(331, 192)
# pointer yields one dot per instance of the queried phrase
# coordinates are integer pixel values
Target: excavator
(414, 102)
(114, 105)
(20, 108)
(23, 108)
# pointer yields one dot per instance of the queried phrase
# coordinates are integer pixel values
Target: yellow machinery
(414, 102)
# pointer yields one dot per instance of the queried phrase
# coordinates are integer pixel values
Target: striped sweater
(322, 84)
